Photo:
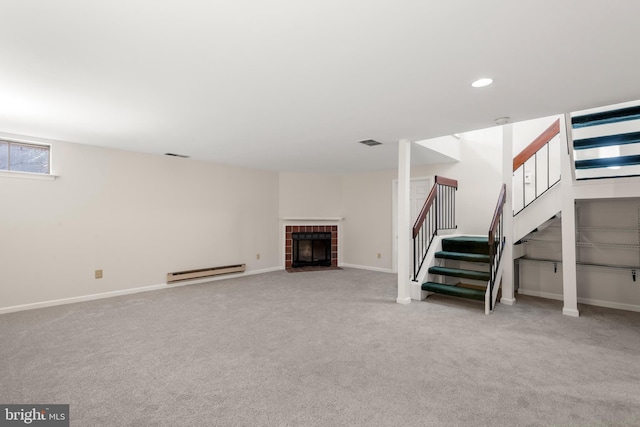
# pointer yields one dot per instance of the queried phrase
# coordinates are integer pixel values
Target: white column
(569, 277)
(404, 221)
(508, 296)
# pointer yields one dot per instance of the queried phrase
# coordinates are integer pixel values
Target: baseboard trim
(507, 301)
(587, 301)
(111, 294)
(570, 312)
(609, 304)
(83, 298)
(263, 270)
(364, 267)
(540, 294)
(403, 301)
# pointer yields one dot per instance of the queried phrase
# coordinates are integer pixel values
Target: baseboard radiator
(204, 273)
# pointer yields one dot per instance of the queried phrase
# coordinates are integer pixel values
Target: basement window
(25, 157)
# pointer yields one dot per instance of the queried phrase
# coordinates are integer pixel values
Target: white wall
(136, 216)
(368, 214)
(445, 148)
(304, 195)
(525, 132)
(479, 176)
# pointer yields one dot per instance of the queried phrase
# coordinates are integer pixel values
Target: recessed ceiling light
(485, 81)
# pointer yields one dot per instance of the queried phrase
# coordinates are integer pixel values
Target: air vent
(370, 142)
(182, 156)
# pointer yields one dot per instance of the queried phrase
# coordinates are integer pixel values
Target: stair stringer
(538, 212)
(415, 290)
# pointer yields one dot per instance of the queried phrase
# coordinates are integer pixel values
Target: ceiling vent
(370, 142)
(182, 156)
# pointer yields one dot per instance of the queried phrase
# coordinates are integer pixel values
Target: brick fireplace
(292, 230)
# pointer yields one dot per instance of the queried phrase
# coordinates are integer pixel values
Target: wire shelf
(605, 228)
(608, 245)
(583, 264)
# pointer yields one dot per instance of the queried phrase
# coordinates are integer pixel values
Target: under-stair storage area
(607, 255)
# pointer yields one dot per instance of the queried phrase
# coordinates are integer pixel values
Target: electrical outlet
(98, 274)
(257, 256)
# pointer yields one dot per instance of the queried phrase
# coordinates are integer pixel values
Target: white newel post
(568, 221)
(404, 220)
(508, 296)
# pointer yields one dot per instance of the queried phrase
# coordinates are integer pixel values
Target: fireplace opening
(311, 249)
(320, 249)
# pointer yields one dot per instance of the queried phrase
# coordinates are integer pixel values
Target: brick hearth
(288, 242)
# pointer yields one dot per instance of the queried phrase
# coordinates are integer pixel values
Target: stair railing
(496, 242)
(535, 165)
(438, 213)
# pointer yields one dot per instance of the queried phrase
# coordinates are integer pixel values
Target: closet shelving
(609, 246)
(598, 246)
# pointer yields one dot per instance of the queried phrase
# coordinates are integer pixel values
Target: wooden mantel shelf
(337, 218)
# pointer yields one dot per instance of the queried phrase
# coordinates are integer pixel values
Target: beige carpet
(328, 348)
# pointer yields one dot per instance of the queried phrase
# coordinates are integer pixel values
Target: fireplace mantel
(319, 218)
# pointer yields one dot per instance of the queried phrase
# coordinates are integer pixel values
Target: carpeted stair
(468, 249)
(627, 144)
(606, 117)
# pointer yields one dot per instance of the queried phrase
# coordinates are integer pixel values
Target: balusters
(438, 213)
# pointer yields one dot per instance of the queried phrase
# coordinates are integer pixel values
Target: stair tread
(606, 117)
(463, 256)
(478, 239)
(466, 244)
(607, 141)
(608, 161)
(453, 290)
(459, 272)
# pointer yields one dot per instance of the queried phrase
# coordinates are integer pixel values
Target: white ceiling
(292, 85)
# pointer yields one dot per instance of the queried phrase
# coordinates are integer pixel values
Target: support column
(404, 221)
(508, 294)
(569, 275)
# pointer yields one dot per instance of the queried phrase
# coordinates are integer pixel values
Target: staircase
(469, 252)
(601, 143)
(473, 258)
(607, 143)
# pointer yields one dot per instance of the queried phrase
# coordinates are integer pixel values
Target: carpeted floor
(328, 348)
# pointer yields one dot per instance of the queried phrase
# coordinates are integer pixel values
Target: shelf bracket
(633, 275)
(555, 268)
